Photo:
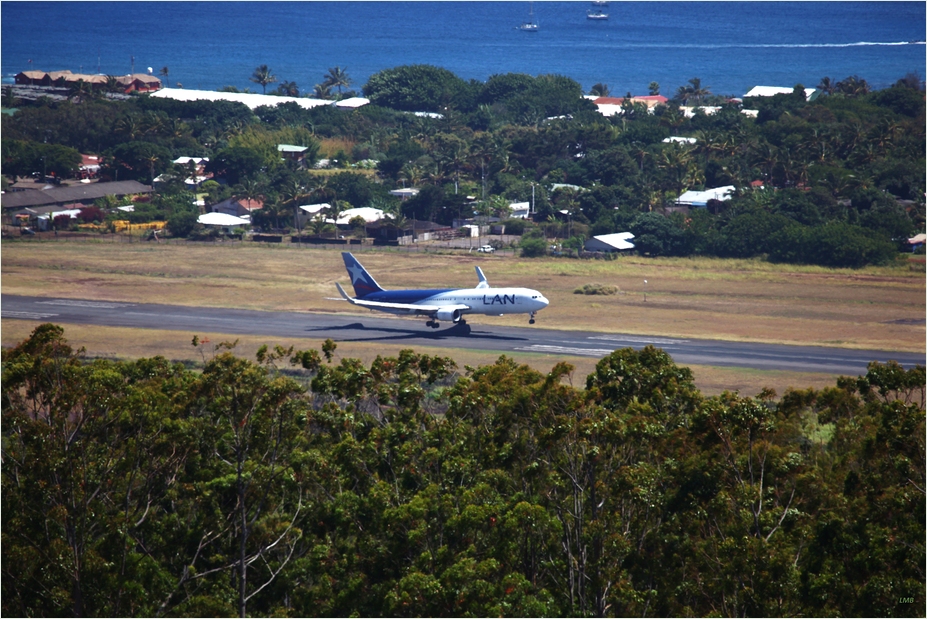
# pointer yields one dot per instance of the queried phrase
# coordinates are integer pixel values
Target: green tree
(533, 245)
(414, 88)
(336, 77)
(599, 90)
(263, 76)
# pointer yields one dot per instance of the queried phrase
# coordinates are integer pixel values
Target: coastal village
(68, 200)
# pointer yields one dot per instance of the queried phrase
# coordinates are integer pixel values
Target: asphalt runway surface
(413, 333)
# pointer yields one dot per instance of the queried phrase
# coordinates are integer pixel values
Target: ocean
(730, 46)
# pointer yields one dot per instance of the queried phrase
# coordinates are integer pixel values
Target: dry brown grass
(331, 146)
(126, 343)
(874, 308)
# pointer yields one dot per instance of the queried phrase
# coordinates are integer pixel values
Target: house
(610, 106)
(404, 193)
(222, 220)
(199, 162)
(32, 78)
(696, 199)
(89, 166)
(292, 152)
(307, 212)
(674, 139)
(386, 232)
(43, 222)
(917, 242)
(251, 100)
(368, 214)
(520, 210)
(237, 206)
(610, 242)
(707, 110)
(84, 193)
(771, 91)
(351, 103)
(138, 82)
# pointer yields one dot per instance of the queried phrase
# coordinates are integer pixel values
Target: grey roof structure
(76, 193)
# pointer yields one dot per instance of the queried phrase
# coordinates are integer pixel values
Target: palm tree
(164, 73)
(128, 126)
(827, 86)
(79, 90)
(322, 91)
(336, 78)
(151, 160)
(288, 89)
(112, 84)
(263, 76)
(411, 173)
(853, 86)
(599, 90)
(653, 89)
(698, 91)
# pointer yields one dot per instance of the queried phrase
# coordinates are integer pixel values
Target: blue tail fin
(362, 281)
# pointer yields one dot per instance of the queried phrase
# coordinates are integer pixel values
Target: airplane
(440, 304)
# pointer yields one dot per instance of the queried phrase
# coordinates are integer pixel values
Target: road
(407, 332)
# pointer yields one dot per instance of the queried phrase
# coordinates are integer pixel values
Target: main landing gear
(531, 318)
(434, 324)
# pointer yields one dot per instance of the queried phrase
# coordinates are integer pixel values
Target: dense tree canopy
(304, 484)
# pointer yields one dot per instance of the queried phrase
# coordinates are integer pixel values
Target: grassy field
(873, 308)
(125, 343)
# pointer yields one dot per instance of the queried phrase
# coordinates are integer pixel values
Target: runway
(375, 328)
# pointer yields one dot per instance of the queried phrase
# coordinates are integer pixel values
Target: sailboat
(598, 14)
(530, 25)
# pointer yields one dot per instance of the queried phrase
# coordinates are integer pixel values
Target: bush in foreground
(301, 484)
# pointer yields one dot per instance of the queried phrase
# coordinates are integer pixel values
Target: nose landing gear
(531, 318)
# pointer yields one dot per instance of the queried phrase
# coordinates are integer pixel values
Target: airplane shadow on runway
(455, 332)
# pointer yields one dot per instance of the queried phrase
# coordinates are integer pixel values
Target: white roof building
(520, 210)
(291, 148)
(222, 219)
(405, 193)
(196, 160)
(312, 209)
(250, 99)
(610, 242)
(701, 198)
(352, 103)
(367, 213)
(679, 140)
(771, 91)
(43, 220)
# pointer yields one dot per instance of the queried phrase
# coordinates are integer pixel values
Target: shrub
(514, 226)
(91, 214)
(601, 289)
(533, 247)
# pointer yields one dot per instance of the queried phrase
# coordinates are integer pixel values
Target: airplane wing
(428, 310)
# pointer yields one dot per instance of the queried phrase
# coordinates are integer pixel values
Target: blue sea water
(730, 46)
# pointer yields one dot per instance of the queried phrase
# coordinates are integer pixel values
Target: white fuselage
(490, 301)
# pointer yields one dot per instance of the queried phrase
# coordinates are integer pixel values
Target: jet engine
(452, 315)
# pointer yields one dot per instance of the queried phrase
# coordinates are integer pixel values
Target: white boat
(530, 25)
(597, 15)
